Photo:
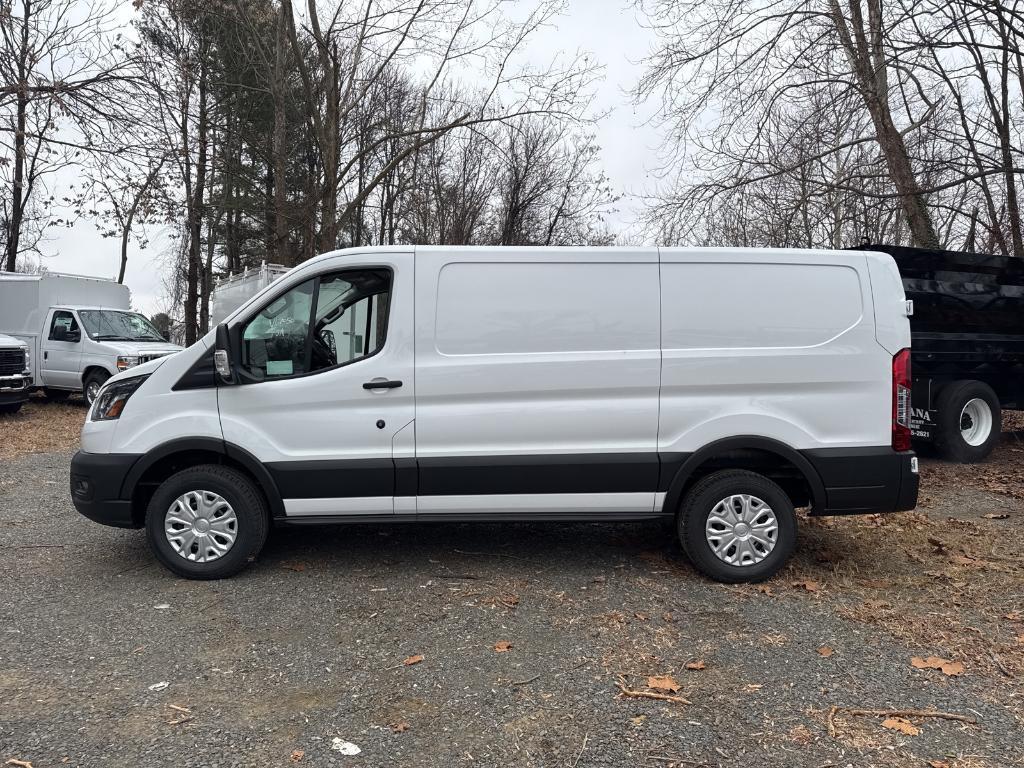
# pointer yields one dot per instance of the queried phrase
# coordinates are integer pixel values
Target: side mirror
(222, 355)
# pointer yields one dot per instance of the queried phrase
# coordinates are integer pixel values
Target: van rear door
(537, 375)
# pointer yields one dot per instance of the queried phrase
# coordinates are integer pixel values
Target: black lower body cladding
(97, 487)
(850, 480)
(865, 480)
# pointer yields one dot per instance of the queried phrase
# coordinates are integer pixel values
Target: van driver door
(327, 393)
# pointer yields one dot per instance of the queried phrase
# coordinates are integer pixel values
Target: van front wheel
(737, 526)
(206, 522)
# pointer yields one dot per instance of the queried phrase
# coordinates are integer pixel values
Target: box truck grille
(147, 358)
(12, 361)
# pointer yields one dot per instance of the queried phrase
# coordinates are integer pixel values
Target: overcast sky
(609, 29)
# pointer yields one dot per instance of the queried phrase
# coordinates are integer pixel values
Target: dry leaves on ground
(902, 725)
(947, 667)
(663, 683)
(825, 651)
(502, 646)
(401, 727)
(297, 755)
(810, 586)
(696, 665)
(413, 660)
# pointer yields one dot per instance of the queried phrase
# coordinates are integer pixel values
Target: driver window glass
(274, 342)
(348, 324)
(64, 320)
(351, 317)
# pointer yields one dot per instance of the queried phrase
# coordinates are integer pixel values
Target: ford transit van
(719, 388)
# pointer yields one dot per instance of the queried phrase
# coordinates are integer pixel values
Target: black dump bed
(968, 309)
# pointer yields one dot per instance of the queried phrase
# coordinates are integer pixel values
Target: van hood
(129, 348)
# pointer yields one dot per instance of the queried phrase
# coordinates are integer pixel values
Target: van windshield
(111, 325)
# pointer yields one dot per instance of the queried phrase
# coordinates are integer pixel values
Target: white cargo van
(720, 388)
(79, 330)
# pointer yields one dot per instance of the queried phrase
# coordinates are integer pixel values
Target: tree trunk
(868, 61)
(18, 196)
(195, 217)
(279, 148)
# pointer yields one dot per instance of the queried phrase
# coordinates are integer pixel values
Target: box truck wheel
(206, 522)
(10, 408)
(968, 421)
(93, 382)
(737, 526)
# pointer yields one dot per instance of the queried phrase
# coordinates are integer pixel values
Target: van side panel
(537, 372)
(778, 344)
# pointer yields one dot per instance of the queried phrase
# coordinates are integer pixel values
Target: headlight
(28, 360)
(124, 362)
(112, 398)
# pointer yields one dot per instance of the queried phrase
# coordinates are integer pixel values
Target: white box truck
(231, 292)
(15, 376)
(78, 331)
(718, 388)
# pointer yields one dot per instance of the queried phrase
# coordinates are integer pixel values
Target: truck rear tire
(91, 385)
(968, 421)
(206, 522)
(10, 408)
(737, 526)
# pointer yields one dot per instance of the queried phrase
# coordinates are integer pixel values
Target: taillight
(901, 401)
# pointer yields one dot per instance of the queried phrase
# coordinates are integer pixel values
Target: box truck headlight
(124, 362)
(28, 361)
(112, 398)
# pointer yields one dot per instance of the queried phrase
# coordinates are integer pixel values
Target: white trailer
(233, 291)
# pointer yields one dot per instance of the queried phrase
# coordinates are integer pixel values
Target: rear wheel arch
(768, 457)
(166, 460)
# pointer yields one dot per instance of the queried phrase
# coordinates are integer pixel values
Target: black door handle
(382, 385)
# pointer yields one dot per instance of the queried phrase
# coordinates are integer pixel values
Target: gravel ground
(309, 644)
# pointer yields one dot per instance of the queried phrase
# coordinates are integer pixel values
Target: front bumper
(14, 389)
(866, 480)
(97, 485)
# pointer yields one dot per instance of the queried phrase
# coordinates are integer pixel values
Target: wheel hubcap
(201, 526)
(742, 530)
(975, 422)
(91, 391)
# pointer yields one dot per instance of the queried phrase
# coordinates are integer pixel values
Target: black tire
(702, 499)
(92, 383)
(9, 409)
(57, 395)
(238, 491)
(951, 420)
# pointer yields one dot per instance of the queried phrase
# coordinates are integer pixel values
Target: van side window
(322, 323)
(66, 321)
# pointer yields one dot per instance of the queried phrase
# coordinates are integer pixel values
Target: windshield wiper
(110, 337)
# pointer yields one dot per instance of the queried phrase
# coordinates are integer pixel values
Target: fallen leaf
(297, 567)
(413, 660)
(810, 586)
(801, 734)
(502, 646)
(640, 616)
(902, 725)
(1015, 616)
(940, 548)
(996, 516)
(938, 764)
(695, 665)
(825, 651)
(753, 687)
(663, 683)
(401, 727)
(764, 589)
(159, 686)
(297, 755)
(947, 667)
(638, 720)
(19, 763)
(667, 617)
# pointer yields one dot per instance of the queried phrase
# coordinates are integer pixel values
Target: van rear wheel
(206, 522)
(737, 526)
